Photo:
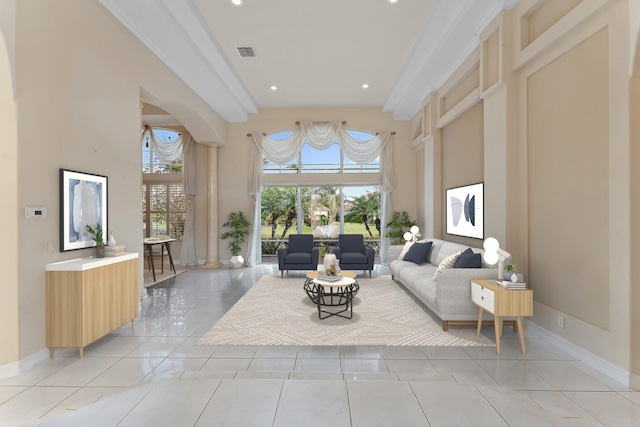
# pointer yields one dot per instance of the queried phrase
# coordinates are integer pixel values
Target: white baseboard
(23, 365)
(609, 369)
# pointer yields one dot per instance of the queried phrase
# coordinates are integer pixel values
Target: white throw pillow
(405, 250)
(448, 262)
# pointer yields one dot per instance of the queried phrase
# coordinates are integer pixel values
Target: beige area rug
(278, 312)
(160, 277)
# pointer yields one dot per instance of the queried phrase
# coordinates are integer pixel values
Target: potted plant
(509, 270)
(238, 226)
(396, 227)
(98, 238)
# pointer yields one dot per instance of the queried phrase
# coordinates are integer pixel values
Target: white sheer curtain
(169, 152)
(320, 135)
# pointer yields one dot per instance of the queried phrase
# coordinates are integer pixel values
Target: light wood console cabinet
(87, 298)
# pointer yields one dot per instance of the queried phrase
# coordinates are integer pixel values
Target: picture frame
(83, 201)
(465, 211)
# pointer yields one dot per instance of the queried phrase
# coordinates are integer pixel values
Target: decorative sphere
(491, 257)
(407, 236)
(415, 229)
(491, 245)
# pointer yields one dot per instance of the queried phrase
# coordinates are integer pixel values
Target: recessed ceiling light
(239, 2)
(274, 87)
(392, 1)
(365, 86)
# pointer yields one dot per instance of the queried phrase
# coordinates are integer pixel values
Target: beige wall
(60, 126)
(635, 231)
(8, 188)
(420, 181)
(590, 60)
(463, 159)
(568, 176)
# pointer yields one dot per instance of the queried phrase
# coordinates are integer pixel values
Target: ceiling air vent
(246, 52)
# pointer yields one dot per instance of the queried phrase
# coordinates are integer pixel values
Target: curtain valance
(171, 151)
(321, 135)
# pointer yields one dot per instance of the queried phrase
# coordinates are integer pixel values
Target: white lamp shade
(491, 245)
(415, 229)
(407, 236)
(491, 257)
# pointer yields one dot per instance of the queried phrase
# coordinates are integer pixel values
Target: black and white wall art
(465, 211)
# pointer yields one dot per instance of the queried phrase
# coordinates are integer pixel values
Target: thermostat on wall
(35, 213)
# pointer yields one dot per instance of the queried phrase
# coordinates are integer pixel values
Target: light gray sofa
(449, 295)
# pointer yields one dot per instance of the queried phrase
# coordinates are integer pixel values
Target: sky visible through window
(330, 156)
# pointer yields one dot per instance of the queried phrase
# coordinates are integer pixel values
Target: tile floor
(155, 375)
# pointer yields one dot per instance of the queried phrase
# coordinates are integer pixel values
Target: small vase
(329, 261)
(100, 250)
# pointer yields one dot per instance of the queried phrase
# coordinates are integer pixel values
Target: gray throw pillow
(468, 259)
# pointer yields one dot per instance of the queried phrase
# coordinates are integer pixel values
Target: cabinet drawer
(482, 296)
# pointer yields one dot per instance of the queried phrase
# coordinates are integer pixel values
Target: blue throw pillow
(418, 252)
(468, 259)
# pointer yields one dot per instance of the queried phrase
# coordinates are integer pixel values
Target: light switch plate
(35, 213)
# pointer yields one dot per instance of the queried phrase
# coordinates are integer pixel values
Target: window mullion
(299, 219)
(341, 210)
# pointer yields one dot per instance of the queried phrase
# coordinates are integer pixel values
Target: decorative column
(212, 209)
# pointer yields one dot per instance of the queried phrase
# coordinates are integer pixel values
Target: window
(279, 212)
(320, 192)
(150, 162)
(164, 205)
(164, 210)
(324, 212)
(311, 160)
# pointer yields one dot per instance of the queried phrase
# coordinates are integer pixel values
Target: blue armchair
(300, 254)
(352, 253)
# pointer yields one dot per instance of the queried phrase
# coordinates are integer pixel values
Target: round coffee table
(310, 287)
(332, 294)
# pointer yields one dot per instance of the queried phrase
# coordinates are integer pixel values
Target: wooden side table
(500, 302)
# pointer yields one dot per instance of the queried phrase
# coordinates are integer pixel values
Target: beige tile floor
(155, 374)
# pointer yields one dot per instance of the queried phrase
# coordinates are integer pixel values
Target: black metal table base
(340, 296)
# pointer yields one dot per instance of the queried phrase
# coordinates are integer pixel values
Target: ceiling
(318, 53)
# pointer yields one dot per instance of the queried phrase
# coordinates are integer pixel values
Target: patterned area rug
(278, 312)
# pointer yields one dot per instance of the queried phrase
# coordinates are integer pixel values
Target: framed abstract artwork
(83, 201)
(465, 211)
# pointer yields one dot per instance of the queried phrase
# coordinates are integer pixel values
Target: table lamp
(412, 235)
(491, 255)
